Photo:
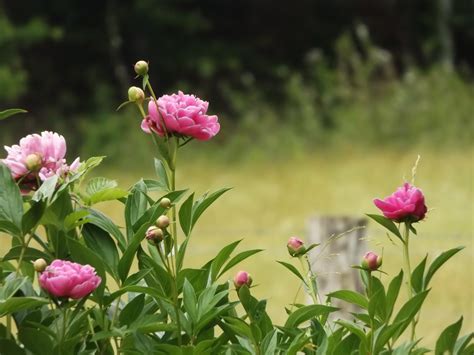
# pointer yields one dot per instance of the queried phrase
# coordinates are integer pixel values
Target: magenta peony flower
(295, 246)
(38, 157)
(183, 115)
(67, 279)
(242, 278)
(371, 261)
(407, 204)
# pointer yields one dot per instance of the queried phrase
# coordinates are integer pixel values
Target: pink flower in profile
(182, 115)
(295, 246)
(242, 278)
(67, 279)
(406, 204)
(371, 261)
(38, 157)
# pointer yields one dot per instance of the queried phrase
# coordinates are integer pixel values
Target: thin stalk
(407, 267)
(371, 334)
(22, 253)
(309, 277)
(9, 325)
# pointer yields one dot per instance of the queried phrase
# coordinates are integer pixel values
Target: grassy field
(273, 198)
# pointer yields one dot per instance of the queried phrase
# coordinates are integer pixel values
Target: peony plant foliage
(74, 281)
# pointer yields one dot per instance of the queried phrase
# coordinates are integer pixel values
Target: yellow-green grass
(272, 200)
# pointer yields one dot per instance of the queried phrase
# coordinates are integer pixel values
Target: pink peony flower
(38, 157)
(183, 115)
(407, 204)
(295, 246)
(371, 261)
(67, 279)
(242, 278)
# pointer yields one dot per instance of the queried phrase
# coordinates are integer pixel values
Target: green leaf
(417, 276)
(100, 241)
(10, 228)
(127, 258)
(351, 297)
(306, 313)
(160, 171)
(354, 329)
(35, 340)
(123, 104)
(76, 219)
(201, 205)
(102, 221)
(10, 112)
(132, 310)
(186, 215)
(447, 339)
(15, 304)
(190, 301)
(135, 206)
(387, 223)
(11, 204)
(32, 217)
(221, 258)
(46, 190)
(10, 347)
(100, 189)
(409, 311)
(378, 302)
(293, 270)
(438, 262)
(238, 258)
(29, 254)
(462, 343)
(392, 293)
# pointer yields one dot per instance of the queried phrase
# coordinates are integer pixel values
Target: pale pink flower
(406, 204)
(67, 279)
(182, 115)
(38, 157)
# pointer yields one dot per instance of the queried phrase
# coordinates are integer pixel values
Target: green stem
(22, 253)
(371, 334)
(9, 325)
(309, 278)
(407, 271)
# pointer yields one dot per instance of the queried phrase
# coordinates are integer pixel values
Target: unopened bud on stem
(163, 221)
(154, 234)
(295, 246)
(165, 202)
(371, 261)
(242, 278)
(135, 94)
(40, 265)
(141, 67)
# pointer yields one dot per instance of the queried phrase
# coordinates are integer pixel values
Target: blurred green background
(323, 106)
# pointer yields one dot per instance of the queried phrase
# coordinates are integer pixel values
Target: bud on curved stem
(154, 234)
(135, 94)
(295, 247)
(165, 202)
(141, 67)
(371, 261)
(163, 222)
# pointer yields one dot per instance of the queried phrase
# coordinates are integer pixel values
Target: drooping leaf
(387, 223)
(409, 311)
(238, 258)
(292, 269)
(10, 112)
(161, 174)
(15, 304)
(186, 215)
(11, 204)
(392, 292)
(306, 313)
(132, 310)
(221, 258)
(418, 275)
(351, 297)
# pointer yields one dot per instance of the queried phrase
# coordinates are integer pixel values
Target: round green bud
(33, 162)
(163, 221)
(141, 67)
(135, 94)
(40, 265)
(165, 202)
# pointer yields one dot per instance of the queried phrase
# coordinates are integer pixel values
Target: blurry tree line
(317, 65)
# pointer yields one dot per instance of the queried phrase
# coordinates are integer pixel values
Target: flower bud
(135, 94)
(33, 162)
(154, 234)
(295, 246)
(242, 278)
(141, 67)
(163, 221)
(371, 261)
(40, 265)
(165, 202)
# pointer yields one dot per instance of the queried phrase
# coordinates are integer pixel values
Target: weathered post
(342, 244)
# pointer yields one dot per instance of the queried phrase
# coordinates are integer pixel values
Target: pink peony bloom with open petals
(182, 115)
(407, 204)
(67, 279)
(38, 157)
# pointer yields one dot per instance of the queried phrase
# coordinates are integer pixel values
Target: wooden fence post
(342, 244)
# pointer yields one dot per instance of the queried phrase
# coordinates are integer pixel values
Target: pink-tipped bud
(33, 162)
(141, 67)
(135, 94)
(242, 278)
(154, 234)
(371, 261)
(40, 265)
(295, 246)
(163, 221)
(165, 202)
